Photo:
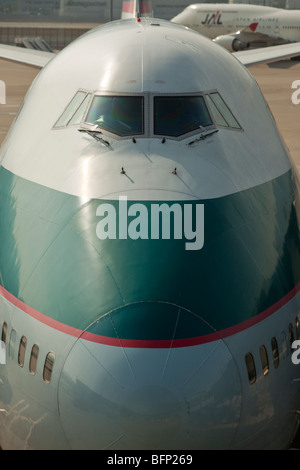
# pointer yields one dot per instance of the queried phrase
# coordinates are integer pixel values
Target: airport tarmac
(17, 79)
(275, 81)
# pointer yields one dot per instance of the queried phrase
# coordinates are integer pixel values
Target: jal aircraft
(150, 252)
(240, 26)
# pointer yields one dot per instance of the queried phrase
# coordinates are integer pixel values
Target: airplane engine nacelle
(231, 43)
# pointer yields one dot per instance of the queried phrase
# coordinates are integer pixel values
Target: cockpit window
(148, 115)
(75, 110)
(178, 115)
(121, 115)
(220, 112)
(217, 116)
(78, 115)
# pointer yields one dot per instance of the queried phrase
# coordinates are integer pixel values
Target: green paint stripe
(52, 260)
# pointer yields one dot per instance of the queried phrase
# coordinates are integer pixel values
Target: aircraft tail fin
(136, 9)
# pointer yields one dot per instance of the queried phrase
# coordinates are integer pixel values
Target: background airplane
(240, 26)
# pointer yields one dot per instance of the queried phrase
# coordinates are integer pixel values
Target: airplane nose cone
(150, 375)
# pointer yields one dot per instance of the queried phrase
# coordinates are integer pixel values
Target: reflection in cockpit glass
(122, 115)
(178, 115)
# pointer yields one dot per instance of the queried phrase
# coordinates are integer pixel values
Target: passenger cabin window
(121, 115)
(250, 368)
(264, 359)
(178, 115)
(275, 352)
(297, 328)
(4, 332)
(22, 350)
(48, 367)
(12, 342)
(33, 359)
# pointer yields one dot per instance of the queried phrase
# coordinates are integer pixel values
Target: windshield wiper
(204, 135)
(94, 131)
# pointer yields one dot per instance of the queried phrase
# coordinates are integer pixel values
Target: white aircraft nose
(120, 394)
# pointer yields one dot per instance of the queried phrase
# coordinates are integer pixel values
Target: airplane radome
(133, 341)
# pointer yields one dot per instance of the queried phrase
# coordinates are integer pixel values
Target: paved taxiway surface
(17, 79)
(274, 79)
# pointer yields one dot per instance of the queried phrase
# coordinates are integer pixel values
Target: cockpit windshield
(121, 115)
(178, 115)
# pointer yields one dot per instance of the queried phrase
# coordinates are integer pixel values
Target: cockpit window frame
(238, 128)
(67, 124)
